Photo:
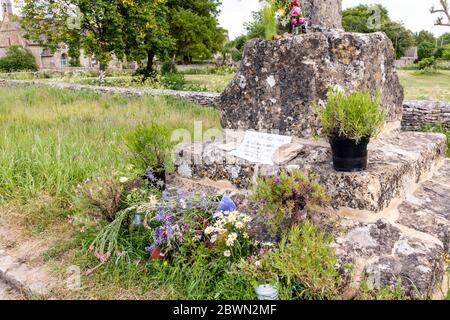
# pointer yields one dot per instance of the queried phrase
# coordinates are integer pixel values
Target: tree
(194, 25)
(358, 19)
(98, 28)
(146, 31)
(48, 23)
(425, 50)
(102, 29)
(446, 52)
(444, 8)
(425, 36)
(18, 58)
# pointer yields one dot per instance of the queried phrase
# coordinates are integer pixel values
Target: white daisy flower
(209, 230)
(239, 225)
(229, 242)
(123, 180)
(213, 238)
(227, 253)
(232, 236)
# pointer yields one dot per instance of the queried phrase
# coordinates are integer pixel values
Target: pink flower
(295, 12)
(103, 258)
(294, 22)
(301, 21)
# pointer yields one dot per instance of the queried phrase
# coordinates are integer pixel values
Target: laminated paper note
(260, 147)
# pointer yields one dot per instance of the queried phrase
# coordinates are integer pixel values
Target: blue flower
(149, 175)
(160, 215)
(226, 204)
(166, 195)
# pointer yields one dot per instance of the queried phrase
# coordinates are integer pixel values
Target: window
(63, 60)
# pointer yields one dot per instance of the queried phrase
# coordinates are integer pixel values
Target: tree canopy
(368, 19)
(138, 29)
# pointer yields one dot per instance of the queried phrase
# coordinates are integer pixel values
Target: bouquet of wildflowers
(290, 16)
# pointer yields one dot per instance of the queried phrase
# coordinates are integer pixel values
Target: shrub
(446, 52)
(428, 63)
(18, 58)
(354, 116)
(281, 197)
(173, 81)
(168, 67)
(151, 148)
(425, 50)
(303, 263)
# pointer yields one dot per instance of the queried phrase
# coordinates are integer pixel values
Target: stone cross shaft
(326, 14)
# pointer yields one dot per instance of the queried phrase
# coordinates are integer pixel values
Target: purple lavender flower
(166, 195)
(160, 216)
(149, 175)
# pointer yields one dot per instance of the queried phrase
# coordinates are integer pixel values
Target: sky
(414, 14)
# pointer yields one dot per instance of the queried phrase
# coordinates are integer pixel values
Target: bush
(446, 52)
(173, 81)
(425, 50)
(151, 148)
(281, 197)
(18, 58)
(303, 264)
(354, 116)
(168, 67)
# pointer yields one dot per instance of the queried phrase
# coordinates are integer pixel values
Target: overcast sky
(414, 14)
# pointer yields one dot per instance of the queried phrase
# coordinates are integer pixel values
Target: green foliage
(195, 28)
(174, 81)
(428, 65)
(303, 263)
(425, 36)
(151, 148)
(18, 58)
(168, 67)
(354, 116)
(446, 52)
(386, 293)
(281, 197)
(146, 31)
(425, 50)
(357, 19)
(268, 20)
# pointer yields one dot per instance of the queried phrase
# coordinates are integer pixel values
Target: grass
(210, 82)
(425, 86)
(53, 139)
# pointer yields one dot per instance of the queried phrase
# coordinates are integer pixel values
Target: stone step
(396, 164)
(407, 244)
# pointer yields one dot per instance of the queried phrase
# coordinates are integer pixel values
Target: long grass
(52, 139)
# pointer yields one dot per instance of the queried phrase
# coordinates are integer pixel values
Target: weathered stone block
(279, 80)
(395, 165)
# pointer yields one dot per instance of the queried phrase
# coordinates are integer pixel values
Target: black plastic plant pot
(349, 156)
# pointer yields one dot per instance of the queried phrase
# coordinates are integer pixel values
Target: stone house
(11, 34)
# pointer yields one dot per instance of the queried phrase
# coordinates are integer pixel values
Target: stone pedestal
(280, 80)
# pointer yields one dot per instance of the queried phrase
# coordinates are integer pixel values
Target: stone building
(11, 34)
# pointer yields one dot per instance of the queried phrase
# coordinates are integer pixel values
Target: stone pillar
(326, 14)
